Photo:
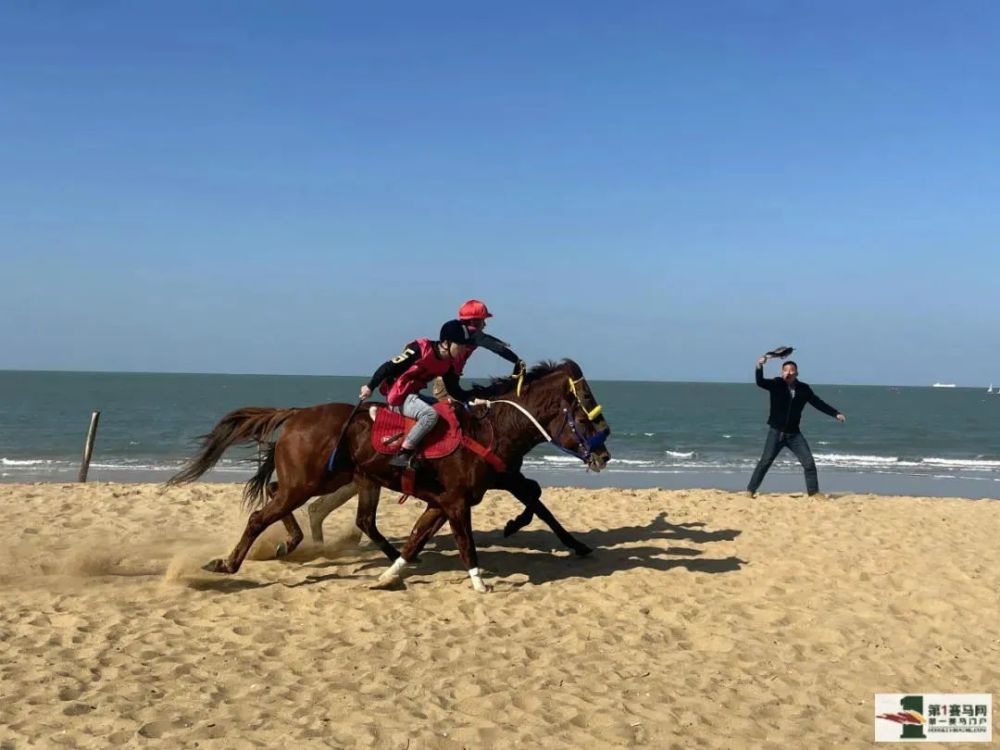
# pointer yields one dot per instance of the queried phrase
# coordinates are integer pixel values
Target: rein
(525, 412)
(589, 445)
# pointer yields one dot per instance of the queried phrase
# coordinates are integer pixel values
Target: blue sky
(658, 190)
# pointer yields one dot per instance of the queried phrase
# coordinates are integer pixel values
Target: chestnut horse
(557, 405)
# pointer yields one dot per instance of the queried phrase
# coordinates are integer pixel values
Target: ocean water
(664, 434)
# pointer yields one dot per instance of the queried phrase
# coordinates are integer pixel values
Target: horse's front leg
(518, 522)
(430, 521)
(529, 493)
(459, 515)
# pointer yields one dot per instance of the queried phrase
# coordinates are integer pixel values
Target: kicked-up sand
(703, 619)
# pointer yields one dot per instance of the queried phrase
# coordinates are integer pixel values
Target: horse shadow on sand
(536, 553)
(220, 585)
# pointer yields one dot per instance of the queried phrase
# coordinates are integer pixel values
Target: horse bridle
(591, 444)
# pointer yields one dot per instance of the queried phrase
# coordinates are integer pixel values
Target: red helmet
(473, 310)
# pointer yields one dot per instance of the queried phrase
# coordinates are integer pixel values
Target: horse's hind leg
(295, 537)
(368, 496)
(323, 506)
(460, 518)
(277, 508)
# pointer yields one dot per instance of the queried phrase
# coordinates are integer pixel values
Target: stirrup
(401, 460)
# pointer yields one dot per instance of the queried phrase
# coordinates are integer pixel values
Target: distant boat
(943, 385)
(990, 389)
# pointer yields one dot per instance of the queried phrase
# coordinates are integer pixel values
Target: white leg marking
(391, 575)
(477, 581)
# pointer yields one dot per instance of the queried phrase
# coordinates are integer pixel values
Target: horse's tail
(255, 489)
(246, 425)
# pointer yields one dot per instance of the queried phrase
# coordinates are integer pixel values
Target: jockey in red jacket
(473, 314)
(401, 379)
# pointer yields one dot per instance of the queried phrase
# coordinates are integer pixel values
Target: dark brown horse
(556, 404)
(525, 490)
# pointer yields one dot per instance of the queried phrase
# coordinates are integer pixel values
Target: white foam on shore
(855, 459)
(20, 469)
(964, 463)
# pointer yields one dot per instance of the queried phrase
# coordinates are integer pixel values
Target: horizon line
(361, 376)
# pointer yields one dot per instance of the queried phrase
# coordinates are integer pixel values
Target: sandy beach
(703, 619)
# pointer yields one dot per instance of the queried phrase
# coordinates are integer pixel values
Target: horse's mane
(504, 385)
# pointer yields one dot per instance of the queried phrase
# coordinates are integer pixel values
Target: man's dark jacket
(786, 410)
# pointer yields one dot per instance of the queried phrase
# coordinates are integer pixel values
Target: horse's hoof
(582, 550)
(281, 550)
(385, 584)
(510, 529)
(215, 566)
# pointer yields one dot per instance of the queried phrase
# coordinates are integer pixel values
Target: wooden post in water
(88, 447)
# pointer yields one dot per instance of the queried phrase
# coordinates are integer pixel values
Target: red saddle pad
(390, 428)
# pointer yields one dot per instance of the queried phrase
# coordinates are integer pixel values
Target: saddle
(389, 429)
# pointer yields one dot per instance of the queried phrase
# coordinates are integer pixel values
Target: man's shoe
(751, 494)
(402, 459)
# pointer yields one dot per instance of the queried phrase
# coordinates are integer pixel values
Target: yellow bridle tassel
(593, 413)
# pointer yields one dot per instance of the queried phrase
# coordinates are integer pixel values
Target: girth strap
(408, 478)
(484, 453)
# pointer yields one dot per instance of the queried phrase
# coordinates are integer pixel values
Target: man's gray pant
(419, 408)
(796, 443)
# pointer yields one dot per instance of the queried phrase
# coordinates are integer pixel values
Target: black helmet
(455, 332)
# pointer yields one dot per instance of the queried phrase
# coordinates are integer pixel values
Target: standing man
(789, 395)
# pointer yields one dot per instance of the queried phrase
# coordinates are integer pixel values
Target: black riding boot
(403, 459)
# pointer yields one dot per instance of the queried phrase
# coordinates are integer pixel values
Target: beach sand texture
(703, 619)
